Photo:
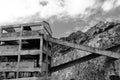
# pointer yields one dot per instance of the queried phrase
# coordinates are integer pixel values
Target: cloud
(78, 7)
(110, 5)
(64, 8)
(13, 10)
(77, 28)
(53, 8)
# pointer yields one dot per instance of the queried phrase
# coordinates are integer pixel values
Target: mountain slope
(103, 35)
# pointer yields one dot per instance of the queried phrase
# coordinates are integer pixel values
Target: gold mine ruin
(26, 52)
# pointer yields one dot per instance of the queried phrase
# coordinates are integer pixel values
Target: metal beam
(83, 59)
(73, 62)
(84, 48)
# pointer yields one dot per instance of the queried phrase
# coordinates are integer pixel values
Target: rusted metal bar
(84, 48)
(73, 62)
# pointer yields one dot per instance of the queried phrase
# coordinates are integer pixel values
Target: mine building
(24, 54)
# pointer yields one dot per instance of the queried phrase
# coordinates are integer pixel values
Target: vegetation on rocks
(104, 35)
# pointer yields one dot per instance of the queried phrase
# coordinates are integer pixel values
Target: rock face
(104, 35)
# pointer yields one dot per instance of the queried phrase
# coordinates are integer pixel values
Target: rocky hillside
(104, 35)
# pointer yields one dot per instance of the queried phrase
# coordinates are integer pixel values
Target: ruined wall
(103, 35)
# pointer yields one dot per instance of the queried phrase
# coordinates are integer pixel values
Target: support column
(0, 34)
(0, 31)
(41, 51)
(19, 52)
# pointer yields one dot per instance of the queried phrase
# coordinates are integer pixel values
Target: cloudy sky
(64, 16)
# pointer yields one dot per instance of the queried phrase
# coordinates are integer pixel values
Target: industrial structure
(22, 52)
(25, 52)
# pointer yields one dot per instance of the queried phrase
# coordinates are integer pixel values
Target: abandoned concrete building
(22, 52)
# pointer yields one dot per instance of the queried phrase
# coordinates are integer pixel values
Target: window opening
(114, 77)
(27, 28)
(44, 58)
(30, 44)
(9, 43)
(31, 58)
